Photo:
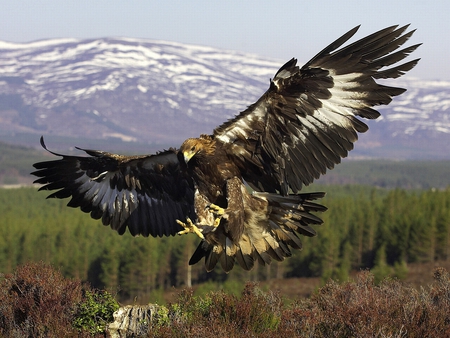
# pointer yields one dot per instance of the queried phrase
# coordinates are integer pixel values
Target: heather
(37, 301)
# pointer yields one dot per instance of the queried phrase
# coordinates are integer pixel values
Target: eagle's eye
(193, 148)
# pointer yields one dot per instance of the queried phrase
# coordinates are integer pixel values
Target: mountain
(159, 93)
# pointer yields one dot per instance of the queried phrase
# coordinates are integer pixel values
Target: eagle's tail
(268, 238)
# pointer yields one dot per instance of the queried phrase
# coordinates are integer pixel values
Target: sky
(275, 29)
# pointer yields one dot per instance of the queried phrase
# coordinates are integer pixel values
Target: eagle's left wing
(307, 120)
(147, 194)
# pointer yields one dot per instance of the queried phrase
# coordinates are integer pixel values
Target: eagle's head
(199, 147)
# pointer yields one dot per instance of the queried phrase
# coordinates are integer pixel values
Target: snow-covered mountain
(159, 92)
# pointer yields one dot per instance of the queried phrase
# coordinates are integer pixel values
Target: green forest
(365, 227)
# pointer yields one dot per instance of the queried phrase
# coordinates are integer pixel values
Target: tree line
(365, 227)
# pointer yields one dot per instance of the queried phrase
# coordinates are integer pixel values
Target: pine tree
(381, 268)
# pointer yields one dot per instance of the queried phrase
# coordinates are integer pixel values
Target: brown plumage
(238, 188)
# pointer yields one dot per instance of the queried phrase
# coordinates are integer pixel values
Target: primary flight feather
(301, 126)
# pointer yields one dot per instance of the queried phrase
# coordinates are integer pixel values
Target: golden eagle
(301, 126)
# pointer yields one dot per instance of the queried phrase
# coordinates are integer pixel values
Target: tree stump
(135, 320)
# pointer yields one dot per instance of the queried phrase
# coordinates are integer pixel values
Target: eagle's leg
(190, 227)
(207, 217)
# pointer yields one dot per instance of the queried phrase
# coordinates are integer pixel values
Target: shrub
(37, 301)
(254, 313)
(364, 309)
(359, 308)
(95, 312)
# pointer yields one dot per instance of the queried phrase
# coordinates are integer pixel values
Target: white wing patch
(243, 125)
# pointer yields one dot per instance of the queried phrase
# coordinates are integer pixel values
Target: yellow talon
(217, 222)
(217, 210)
(189, 227)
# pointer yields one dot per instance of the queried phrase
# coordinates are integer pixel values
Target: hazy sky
(277, 29)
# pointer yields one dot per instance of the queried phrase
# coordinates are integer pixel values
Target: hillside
(158, 93)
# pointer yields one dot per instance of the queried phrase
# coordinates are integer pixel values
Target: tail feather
(263, 258)
(276, 253)
(268, 238)
(306, 217)
(306, 230)
(227, 257)
(246, 261)
(202, 250)
(211, 260)
(226, 261)
(288, 237)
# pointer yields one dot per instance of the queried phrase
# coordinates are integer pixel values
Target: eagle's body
(250, 227)
(303, 125)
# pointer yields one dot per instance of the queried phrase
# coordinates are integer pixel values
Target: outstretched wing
(144, 193)
(307, 120)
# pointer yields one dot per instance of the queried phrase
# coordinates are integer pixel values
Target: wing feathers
(145, 194)
(334, 45)
(396, 71)
(311, 113)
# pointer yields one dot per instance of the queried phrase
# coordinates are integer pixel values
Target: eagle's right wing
(309, 118)
(147, 194)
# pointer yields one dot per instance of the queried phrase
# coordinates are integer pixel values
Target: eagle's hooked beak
(188, 155)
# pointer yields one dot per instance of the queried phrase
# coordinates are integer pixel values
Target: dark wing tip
(334, 45)
(41, 140)
(43, 145)
(287, 66)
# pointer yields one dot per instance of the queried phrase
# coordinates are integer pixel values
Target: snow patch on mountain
(160, 92)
